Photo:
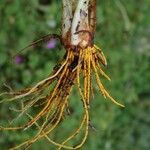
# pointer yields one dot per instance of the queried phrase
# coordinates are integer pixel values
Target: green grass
(122, 32)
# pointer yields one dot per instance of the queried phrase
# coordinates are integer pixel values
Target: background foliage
(122, 32)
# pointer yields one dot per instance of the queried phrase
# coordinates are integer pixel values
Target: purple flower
(51, 44)
(19, 59)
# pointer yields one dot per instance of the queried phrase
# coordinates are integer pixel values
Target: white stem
(67, 16)
(80, 21)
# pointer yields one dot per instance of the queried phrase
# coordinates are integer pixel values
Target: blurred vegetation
(123, 32)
